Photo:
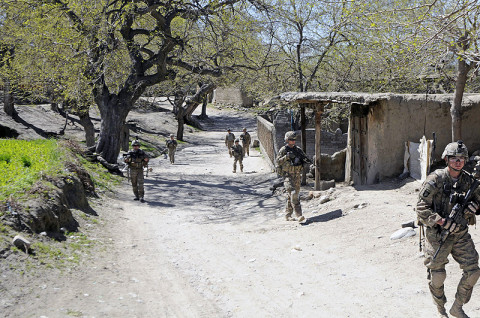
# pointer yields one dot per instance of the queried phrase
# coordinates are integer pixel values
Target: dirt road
(210, 243)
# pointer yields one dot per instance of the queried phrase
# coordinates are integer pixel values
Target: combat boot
(301, 219)
(442, 313)
(142, 200)
(457, 310)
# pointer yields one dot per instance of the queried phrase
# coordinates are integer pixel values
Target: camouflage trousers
(230, 145)
(240, 161)
(460, 245)
(292, 187)
(136, 175)
(246, 148)
(171, 155)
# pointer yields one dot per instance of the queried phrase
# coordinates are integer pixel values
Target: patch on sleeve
(426, 193)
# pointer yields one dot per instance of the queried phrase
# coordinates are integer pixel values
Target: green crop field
(23, 162)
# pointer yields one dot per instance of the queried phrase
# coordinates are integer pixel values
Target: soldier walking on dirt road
(290, 161)
(172, 146)
(238, 154)
(229, 139)
(442, 193)
(246, 139)
(136, 160)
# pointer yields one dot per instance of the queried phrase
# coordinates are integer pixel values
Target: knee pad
(472, 276)
(438, 277)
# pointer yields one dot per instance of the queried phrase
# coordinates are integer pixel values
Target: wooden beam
(303, 130)
(318, 152)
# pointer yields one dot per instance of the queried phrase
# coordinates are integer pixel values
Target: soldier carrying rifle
(447, 205)
(290, 161)
(136, 160)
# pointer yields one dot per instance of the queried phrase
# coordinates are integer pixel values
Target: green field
(23, 162)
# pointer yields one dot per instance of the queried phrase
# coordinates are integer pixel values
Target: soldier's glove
(291, 155)
(472, 208)
(450, 225)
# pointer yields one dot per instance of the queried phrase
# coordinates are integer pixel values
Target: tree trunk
(192, 103)
(456, 109)
(8, 104)
(203, 115)
(88, 127)
(181, 122)
(113, 117)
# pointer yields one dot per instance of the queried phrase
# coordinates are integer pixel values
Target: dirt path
(210, 243)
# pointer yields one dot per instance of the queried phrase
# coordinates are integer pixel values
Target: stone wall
(231, 96)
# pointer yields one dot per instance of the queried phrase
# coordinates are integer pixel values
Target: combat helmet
(135, 143)
(171, 135)
(237, 140)
(290, 135)
(457, 149)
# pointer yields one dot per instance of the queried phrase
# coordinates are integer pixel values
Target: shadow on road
(324, 217)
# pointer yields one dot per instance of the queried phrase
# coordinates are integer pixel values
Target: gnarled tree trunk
(88, 127)
(180, 121)
(113, 114)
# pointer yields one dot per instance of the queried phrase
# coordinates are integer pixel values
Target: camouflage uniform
(238, 154)
(290, 162)
(246, 139)
(229, 139)
(172, 146)
(434, 205)
(136, 162)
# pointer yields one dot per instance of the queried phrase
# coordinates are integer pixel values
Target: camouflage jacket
(136, 159)
(229, 138)
(434, 197)
(171, 144)
(245, 138)
(237, 151)
(286, 165)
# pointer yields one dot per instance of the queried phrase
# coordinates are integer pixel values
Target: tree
(127, 46)
(438, 34)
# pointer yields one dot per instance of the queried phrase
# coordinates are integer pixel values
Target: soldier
(172, 146)
(229, 138)
(290, 160)
(246, 139)
(136, 160)
(439, 193)
(238, 154)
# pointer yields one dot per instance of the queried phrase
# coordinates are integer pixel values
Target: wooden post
(303, 125)
(318, 153)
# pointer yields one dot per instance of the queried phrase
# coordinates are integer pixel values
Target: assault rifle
(458, 210)
(298, 155)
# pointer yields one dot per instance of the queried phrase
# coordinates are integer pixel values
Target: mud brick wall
(265, 134)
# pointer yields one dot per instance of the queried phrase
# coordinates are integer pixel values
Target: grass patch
(22, 163)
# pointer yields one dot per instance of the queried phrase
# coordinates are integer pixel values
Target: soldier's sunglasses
(456, 159)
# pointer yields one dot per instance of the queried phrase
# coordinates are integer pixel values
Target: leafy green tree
(122, 47)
